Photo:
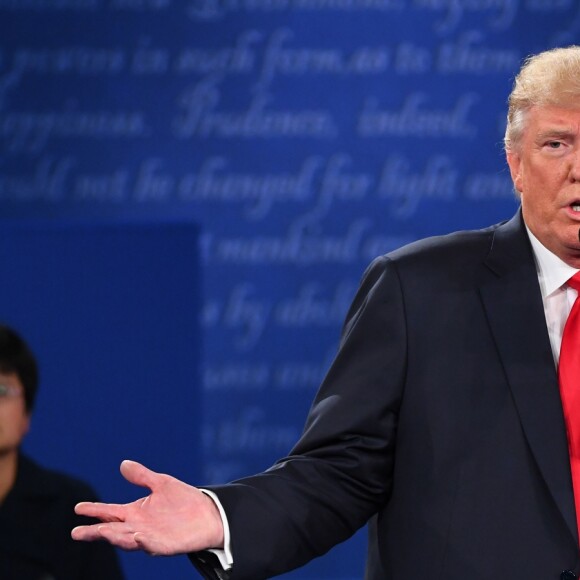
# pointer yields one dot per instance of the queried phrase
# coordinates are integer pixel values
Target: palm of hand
(176, 518)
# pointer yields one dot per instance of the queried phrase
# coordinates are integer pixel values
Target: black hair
(16, 357)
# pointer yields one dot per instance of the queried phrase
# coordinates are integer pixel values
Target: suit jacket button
(568, 575)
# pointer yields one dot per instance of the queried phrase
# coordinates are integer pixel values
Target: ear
(514, 162)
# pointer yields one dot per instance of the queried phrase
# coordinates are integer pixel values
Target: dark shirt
(36, 519)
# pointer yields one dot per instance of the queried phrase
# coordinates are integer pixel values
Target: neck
(8, 467)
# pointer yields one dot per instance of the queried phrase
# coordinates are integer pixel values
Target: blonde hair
(548, 78)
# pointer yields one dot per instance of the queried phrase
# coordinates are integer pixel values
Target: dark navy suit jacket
(439, 421)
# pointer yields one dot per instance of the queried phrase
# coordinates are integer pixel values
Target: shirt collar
(553, 272)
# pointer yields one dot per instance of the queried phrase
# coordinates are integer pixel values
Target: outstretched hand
(175, 518)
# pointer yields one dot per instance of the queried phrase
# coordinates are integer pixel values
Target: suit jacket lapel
(513, 303)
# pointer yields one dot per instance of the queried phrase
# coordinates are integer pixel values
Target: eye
(554, 144)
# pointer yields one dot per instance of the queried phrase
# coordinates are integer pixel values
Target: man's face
(14, 419)
(546, 171)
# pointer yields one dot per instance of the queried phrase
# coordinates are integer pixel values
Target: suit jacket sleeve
(341, 469)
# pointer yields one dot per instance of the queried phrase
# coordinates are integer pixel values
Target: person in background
(36, 504)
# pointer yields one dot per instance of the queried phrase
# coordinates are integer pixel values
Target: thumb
(138, 474)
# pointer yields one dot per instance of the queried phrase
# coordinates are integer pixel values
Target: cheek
(14, 421)
(541, 186)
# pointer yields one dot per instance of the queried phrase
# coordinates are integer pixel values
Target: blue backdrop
(111, 312)
(303, 136)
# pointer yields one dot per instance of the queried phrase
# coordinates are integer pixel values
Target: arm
(337, 476)
(340, 472)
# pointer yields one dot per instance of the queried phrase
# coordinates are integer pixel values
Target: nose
(575, 166)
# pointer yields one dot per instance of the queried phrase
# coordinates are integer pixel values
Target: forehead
(558, 118)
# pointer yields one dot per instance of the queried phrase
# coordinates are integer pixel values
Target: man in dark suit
(441, 420)
(36, 504)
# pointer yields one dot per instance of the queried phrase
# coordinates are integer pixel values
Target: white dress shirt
(557, 297)
(224, 556)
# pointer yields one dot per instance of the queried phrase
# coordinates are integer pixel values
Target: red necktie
(569, 378)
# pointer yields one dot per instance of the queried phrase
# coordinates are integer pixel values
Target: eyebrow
(556, 133)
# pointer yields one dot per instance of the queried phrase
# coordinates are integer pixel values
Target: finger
(140, 475)
(108, 512)
(120, 536)
(150, 545)
(86, 533)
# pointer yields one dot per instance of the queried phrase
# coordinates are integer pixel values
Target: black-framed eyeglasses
(9, 392)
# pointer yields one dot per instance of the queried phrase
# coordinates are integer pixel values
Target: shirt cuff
(224, 556)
